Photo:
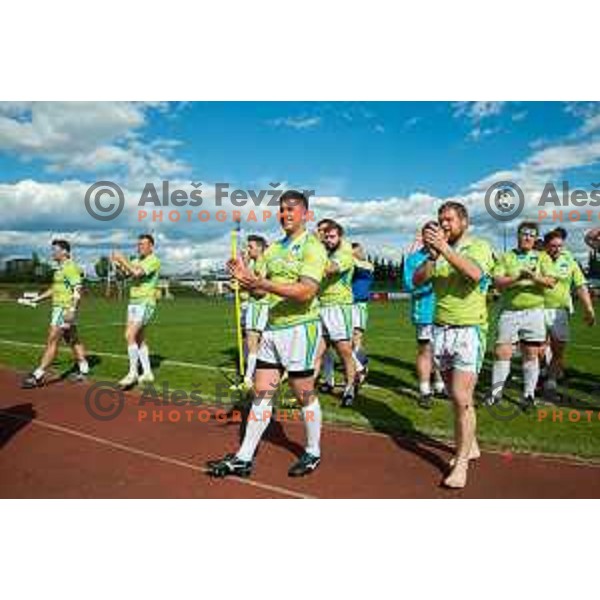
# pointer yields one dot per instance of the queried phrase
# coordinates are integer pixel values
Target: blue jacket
(362, 280)
(422, 297)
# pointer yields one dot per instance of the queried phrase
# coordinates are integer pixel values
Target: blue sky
(367, 162)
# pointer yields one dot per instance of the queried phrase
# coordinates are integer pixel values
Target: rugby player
(144, 271)
(422, 314)
(458, 265)
(521, 275)
(66, 296)
(335, 298)
(558, 304)
(293, 270)
(257, 310)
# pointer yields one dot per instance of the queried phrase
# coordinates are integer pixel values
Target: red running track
(51, 447)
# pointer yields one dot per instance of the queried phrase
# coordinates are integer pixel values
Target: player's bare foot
(474, 454)
(458, 476)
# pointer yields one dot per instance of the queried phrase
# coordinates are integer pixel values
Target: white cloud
(477, 111)
(87, 136)
(299, 123)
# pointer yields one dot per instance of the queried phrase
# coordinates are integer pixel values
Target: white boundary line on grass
(174, 363)
(164, 459)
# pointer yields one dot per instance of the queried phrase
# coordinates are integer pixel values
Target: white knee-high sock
(251, 366)
(500, 373)
(312, 423)
(329, 367)
(134, 355)
(258, 420)
(145, 357)
(531, 372)
(359, 366)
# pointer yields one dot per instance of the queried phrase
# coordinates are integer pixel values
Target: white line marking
(175, 363)
(158, 457)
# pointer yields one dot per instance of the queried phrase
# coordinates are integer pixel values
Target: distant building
(16, 266)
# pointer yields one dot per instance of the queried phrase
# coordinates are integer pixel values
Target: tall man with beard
(458, 266)
(336, 301)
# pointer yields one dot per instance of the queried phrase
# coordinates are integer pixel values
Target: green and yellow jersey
(287, 261)
(568, 275)
(258, 267)
(67, 277)
(523, 294)
(459, 300)
(336, 288)
(144, 290)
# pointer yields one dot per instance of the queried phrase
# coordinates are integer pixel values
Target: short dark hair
(146, 236)
(325, 221)
(458, 207)
(429, 225)
(335, 225)
(562, 232)
(257, 239)
(528, 225)
(356, 245)
(63, 245)
(294, 195)
(555, 233)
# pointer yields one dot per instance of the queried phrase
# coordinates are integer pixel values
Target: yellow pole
(236, 289)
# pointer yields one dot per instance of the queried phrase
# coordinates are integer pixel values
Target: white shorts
(57, 318)
(424, 332)
(521, 326)
(257, 316)
(140, 313)
(461, 348)
(557, 323)
(337, 322)
(360, 315)
(291, 348)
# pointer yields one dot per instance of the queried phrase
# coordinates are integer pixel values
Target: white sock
(548, 354)
(84, 368)
(144, 354)
(312, 422)
(39, 373)
(531, 372)
(258, 420)
(357, 363)
(134, 355)
(425, 387)
(329, 368)
(251, 366)
(500, 373)
(438, 382)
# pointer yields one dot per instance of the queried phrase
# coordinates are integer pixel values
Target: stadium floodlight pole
(235, 243)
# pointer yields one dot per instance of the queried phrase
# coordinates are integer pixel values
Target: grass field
(193, 346)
